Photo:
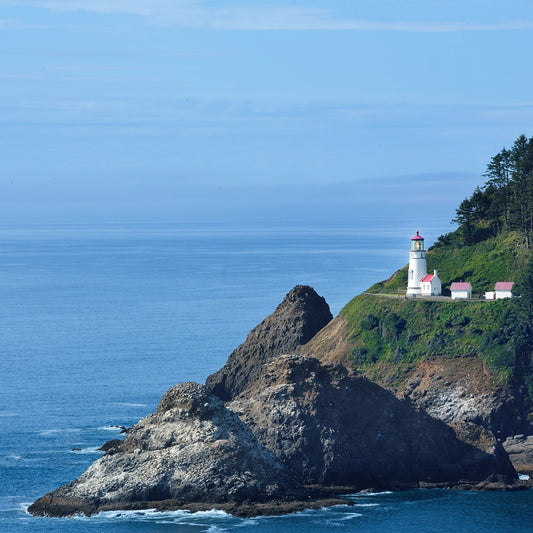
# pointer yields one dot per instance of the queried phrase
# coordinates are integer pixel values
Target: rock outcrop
(300, 315)
(520, 450)
(330, 426)
(192, 450)
(460, 391)
(294, 432)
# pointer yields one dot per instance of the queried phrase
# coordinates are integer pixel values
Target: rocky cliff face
(300, 315)
(330, 426)
(191, 450)
(460, 391)
(294, 431)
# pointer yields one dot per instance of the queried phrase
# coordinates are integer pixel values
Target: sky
(193, 110)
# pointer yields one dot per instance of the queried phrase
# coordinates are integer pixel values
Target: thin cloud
(205, 14)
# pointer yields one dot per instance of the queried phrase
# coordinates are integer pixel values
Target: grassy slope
(394, 333)
(501, 258)
(401, 332)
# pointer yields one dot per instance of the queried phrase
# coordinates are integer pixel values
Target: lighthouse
(417, 266)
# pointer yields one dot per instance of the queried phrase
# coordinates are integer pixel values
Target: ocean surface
(97, 322)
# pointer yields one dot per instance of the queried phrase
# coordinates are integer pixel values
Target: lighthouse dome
(417, 237)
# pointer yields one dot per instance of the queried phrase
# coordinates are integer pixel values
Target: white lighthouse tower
(417, 266)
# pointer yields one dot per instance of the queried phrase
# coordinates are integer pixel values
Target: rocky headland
(275, 432)
(297, 319)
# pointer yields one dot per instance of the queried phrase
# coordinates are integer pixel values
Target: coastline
(318, 498)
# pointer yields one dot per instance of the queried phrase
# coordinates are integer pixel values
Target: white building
(419, 282)
(461, 290)
(431, 285)
(503, 289)
(417, 266)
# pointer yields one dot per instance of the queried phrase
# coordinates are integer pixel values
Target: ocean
(97, 322)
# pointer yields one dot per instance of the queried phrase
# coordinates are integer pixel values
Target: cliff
(300, 315)
(392, 393)
(329, 426)
(191, 451)
(295, 433)
(467, 364)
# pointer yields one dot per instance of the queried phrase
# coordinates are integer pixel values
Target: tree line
(505, 201)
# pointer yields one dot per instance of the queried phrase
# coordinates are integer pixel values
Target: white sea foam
(181, 516)
(23, 507)
(523, 477)
(115, 429)
(364, 494)
(129, 404)
(88, 450)
(56, 431)
(215, 529)
(350, 516)
(367, 505)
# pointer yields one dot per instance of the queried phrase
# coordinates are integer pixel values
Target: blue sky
(176, 109)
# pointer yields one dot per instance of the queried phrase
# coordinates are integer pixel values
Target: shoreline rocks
(275, 433)
(192, 450)
(331, 426)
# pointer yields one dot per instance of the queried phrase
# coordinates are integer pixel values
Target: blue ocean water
(97, 322)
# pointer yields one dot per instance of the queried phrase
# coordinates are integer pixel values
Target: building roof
(504, 286)
(417, 237)
(460, 286)
(428, 277)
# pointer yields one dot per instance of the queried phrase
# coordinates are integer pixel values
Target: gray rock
(520, 450)
(291, 421)
(300, 315)
(330, 426)
(192, 449)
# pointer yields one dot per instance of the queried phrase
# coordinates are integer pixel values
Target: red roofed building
(503, 289)
(431, 285)
(461, 290)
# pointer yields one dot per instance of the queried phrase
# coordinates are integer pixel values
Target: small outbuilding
(431, 285)
(461, 290)
(503, 289)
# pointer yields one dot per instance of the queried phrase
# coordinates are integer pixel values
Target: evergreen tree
(506, 199)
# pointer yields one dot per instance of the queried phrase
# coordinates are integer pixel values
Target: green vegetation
(500, 258)
(504, 203)
(401, 332)
(491, 243)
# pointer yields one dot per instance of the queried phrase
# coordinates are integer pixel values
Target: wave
(349, 516)
(129, 404)
(89, 450)
(110, 428)
(213, 520)
(367, 494)
(57, 431)
(367, 505)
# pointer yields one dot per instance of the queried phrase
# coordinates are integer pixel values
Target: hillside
(497, 258)
(468, 363)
